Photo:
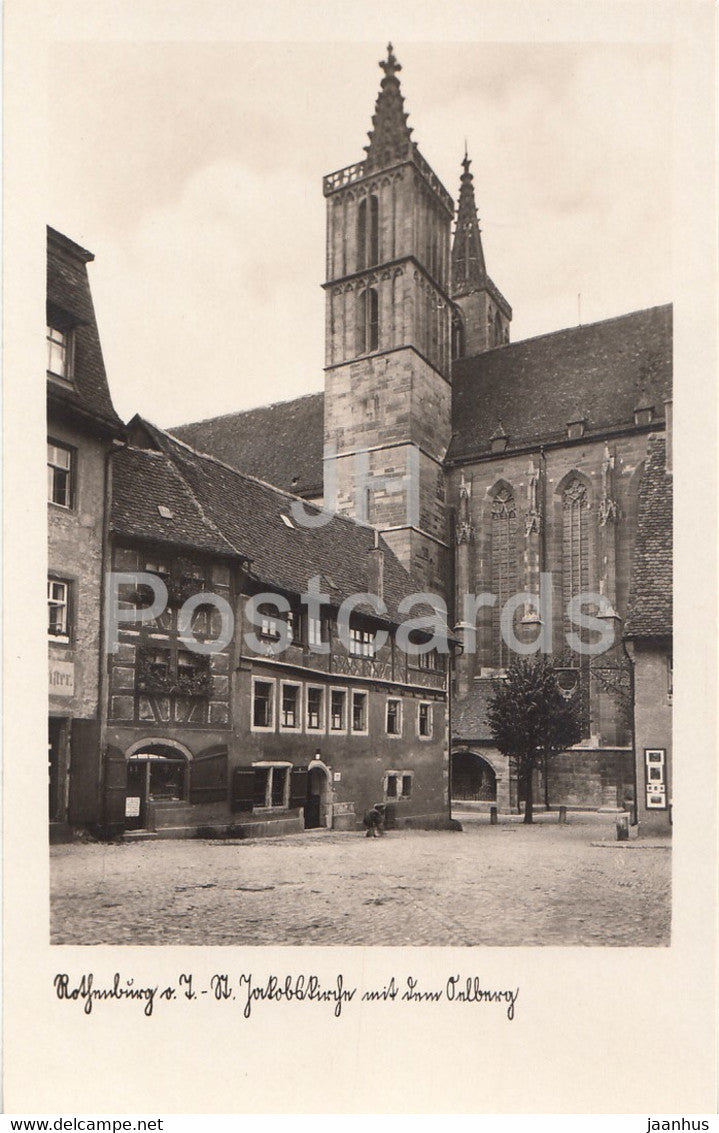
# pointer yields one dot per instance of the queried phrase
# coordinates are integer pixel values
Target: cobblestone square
(511, 885)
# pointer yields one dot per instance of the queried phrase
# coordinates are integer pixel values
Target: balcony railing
(351, 173)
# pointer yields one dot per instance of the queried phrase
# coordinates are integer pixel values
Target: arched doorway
(473, 778)
(157, 771)
(318, 807)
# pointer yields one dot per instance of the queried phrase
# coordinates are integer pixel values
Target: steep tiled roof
(534, 388)
(249, 515)
(145, 481)
(469, 713)
(280, 443)
(69, 304)
(650, 599)
(598, 372)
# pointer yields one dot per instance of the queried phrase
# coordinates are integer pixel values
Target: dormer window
(576, 428)
(59, 352)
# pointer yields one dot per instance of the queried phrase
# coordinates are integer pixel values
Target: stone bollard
(493, 816)
(562, 814)
(622, 828)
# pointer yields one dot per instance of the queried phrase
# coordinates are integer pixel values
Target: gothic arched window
(504, 560)
(498, 336)
(575, 499)
(367, 320)
(367, 232)
(575, 539)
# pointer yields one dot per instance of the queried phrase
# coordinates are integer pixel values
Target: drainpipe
(632, 730)
(103, 690)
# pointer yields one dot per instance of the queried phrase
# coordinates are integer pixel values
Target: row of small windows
(271, 786)
(362, 639)
(347, 710)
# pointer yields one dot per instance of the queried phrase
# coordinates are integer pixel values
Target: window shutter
(298, 787)
(243, 788)
(208, 777)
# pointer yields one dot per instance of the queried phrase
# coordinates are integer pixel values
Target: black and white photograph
(362, 352)
(419, 593)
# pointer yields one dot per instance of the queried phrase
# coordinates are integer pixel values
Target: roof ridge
(567, 330)
(243, 412)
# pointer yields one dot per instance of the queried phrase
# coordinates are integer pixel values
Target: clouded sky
(193, 172)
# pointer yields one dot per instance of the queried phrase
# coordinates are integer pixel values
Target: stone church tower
(387, 410)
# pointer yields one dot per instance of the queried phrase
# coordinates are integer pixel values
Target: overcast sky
(193, 172)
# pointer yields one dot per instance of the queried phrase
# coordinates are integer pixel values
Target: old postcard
(376, 672)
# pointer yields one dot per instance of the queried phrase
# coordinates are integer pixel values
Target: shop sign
(62, 678)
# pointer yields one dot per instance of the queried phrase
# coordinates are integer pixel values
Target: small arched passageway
(473, 778)
(157, 771)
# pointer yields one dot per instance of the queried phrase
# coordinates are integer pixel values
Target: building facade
(270, 721)
(82, 427)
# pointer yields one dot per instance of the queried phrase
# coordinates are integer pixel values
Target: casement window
(158, 663)
(361, 642)
(58, 608)
(424, 720)
(290, 718)
(315, 711)
(316, 632)
(263, 705)
(359, 713)
(60, 474)
(272, 623)
(367, 320)
(431, 661)
(59, 352)
(271, 786)
(338, 710)
(398, 785)
(393, 719)
(189, 664)
(156, 567)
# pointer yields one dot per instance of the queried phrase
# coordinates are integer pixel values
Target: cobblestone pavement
(490, 885)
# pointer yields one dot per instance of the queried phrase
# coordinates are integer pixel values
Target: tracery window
(575, 540)
(504, 561)
(367, 232)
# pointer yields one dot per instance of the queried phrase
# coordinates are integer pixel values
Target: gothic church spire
(484, 314)
(389, 138)
(468, 267)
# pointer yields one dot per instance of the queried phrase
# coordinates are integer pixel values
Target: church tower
(388, 341)
(483, 316)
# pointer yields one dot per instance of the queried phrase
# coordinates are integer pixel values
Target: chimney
(669, 430)
(375, 569)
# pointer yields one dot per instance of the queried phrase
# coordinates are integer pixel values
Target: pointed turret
(485, 312)
(468, 267)
(390, 136)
